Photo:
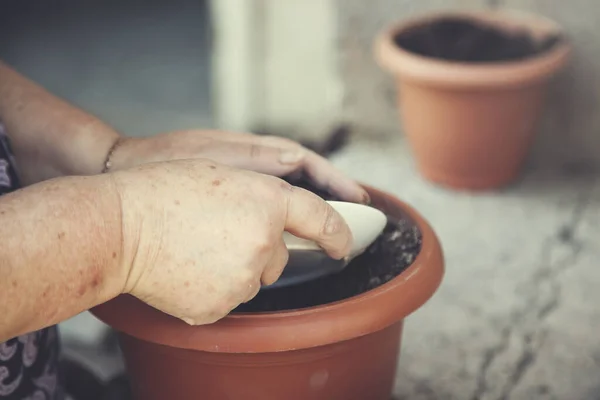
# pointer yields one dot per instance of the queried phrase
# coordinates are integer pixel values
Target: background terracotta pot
(346, 350)
(469, 124)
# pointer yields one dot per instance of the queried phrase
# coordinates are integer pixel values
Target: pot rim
(453, 74)
(294, 329)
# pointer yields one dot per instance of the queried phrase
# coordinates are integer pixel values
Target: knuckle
(274, 275)
(276, 268)
(212, 317)
(218, 311)
(226, 308)
(251, 291)
(275, 184)
(212, 310)
(278, 194)
(261, 243)
(205, 316)
(255, 151)
(267, 189)
(331, 224)
(260, 239)
(244, 279)
(252, 295)
(281, 141)
(285, 186)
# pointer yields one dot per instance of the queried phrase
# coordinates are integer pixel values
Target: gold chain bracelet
(108, 160)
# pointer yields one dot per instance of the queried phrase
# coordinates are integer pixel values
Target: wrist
(118, 262)
(62, 249)
(105, 216)
(93, 142)
(61, 252)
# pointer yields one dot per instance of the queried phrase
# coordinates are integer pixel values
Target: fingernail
(291, 156)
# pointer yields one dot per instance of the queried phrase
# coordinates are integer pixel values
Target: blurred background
(295, 68)
(143, 66)
(304, 68)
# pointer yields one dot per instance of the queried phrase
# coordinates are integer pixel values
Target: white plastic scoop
(308, 261)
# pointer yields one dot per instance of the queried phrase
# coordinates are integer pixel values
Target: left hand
(265, 154)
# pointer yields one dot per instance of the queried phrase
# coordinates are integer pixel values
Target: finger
(275, 267)
(253, 290)
(312, 218)
(264, 159)
(322, 172)
(325, 175)
(280, 156)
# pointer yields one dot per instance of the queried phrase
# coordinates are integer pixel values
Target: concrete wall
(305, 80)
(276, 67)
(570, 133)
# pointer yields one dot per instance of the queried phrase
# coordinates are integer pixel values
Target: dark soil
(464, 40)
(393, 252)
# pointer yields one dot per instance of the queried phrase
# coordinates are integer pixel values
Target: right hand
(201, 238)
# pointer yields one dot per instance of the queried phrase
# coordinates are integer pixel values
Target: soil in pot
(390, 254)
(465, 40)
(471, 90)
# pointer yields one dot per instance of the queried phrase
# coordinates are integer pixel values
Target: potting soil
(464, 40)
(393, 252)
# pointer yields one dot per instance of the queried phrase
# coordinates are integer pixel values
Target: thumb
(312, 218)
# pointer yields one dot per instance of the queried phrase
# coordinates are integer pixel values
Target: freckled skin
(219, 245)
(210, 289)
(139, 243)
(50, 137)
(196, 261)
(46, 280)
(96, 280)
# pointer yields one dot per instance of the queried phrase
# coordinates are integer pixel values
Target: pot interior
(392, 253)
(476, 39)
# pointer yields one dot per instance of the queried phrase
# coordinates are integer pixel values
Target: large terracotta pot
(471, 124)
(346, 350)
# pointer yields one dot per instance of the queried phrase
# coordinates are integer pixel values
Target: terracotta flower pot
(346, 350)
(469, 101)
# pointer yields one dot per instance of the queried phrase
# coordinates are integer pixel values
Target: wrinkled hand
(200, 238)
(266, 154)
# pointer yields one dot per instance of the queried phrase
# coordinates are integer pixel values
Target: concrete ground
(518, 313)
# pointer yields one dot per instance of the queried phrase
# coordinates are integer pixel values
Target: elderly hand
(200, 238)
(265, 154)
